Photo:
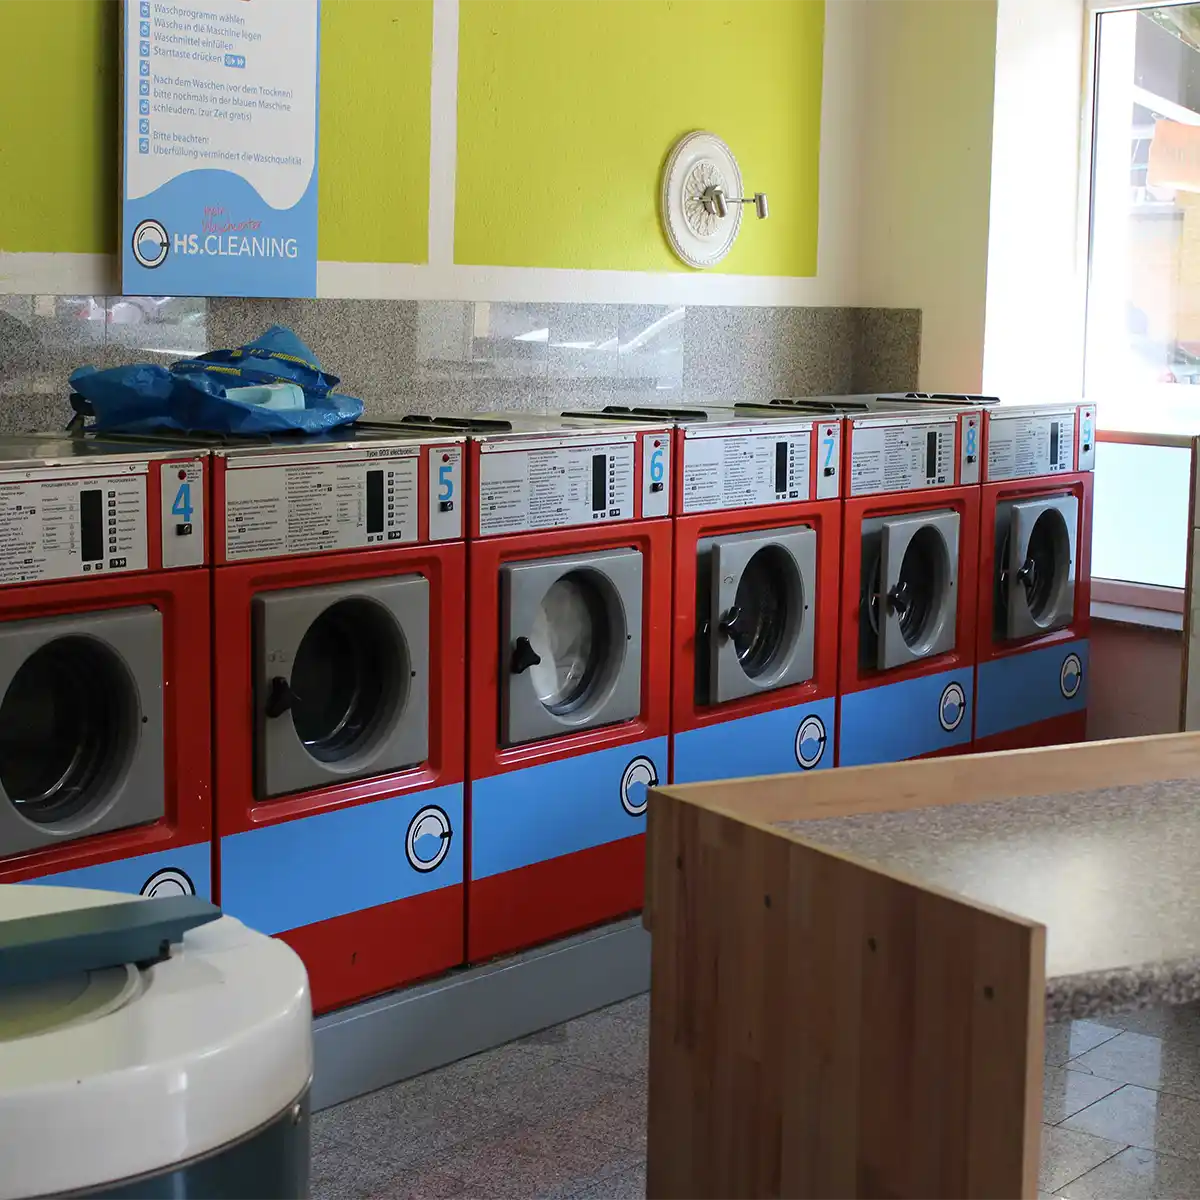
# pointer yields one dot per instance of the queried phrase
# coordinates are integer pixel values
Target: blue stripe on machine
(1037, 685)
(295, 873)
(797, 738)
(542, 812)
(163, 871)
(902, 720)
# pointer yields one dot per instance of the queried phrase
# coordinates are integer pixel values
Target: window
(1142, 358)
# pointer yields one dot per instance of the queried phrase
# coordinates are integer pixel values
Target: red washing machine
(105, 704)
(910, 545)
(339, 600)
(757, 564)
(569, 682)
(1034, 575)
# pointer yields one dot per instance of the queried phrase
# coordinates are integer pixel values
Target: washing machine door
(81, 726)
(917, 598)
(1038, 567)
(760, 619)
(571, 644)
(341, 682)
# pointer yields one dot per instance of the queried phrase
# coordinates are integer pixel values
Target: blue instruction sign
(220, 148)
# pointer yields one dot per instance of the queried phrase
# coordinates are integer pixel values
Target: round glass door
(571, 636)
(348, 679)
(1047, 563)
(68, 724)
(920, 589)
(767, 608)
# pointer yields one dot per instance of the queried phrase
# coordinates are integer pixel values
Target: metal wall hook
(717, 203)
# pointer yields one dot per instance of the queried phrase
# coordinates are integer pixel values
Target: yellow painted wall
(59, 96)
(567, 109)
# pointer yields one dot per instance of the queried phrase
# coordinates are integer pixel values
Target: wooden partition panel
(822, 1028)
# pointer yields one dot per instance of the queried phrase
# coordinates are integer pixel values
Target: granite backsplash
(414, 355)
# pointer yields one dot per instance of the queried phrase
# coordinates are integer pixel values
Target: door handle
(898, 600)
(524, 656)
(729, 622)
(279, 697)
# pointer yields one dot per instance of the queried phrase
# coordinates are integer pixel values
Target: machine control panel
(744, 466)
(298, 504)
(1032, 443)
(1085, 460)
(445, 493)
(62, 523)
(182, 500)
(970, 448)
(554, 482)
(902, 454)
(656, 474)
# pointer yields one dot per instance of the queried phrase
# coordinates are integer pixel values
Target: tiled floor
(562, 1114)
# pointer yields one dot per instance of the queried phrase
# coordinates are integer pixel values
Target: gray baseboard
(405, 1033)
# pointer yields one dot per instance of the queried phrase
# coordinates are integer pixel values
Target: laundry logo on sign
(429, 838)
(810, 742)
(636, 781)
(151, 244)
(168, 882)
(1070, 676)
(952, 707)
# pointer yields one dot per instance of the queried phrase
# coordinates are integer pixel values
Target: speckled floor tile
(619, 1118)
(1137, 1174)
(1151, 1062)
(423, 1185)
(636, 1008)
(1067, 1154)
(624, 1185)
(1070, 1039)
(558, 1091)
(1067, 1091)
(531, 1162)
(1175, 1023)
(601, 1042)
(1137, 1116)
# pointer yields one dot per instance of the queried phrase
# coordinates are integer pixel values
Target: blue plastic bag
(191, 396)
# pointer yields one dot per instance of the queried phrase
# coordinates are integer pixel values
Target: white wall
(1037, 255)
(926, 174)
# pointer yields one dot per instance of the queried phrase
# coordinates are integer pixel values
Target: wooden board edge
(959, 779)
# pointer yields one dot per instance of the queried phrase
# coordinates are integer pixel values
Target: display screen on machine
(740, 471)
(901, 458)
(63, 527)
(552, 486)
(1030, 446)
(305, 507)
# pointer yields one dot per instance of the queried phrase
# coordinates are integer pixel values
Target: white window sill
(1127, 614)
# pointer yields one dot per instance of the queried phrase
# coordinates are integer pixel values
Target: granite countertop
(1114, 875)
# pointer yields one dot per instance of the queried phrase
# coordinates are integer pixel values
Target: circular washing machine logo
(636, 781)
(429, 838)
(952, 707)
(810, 742)
(150, 244)
(168, 882)
(1070, 676)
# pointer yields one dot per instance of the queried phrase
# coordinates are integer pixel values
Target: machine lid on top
(737, 415)
(145, 1066)
(486, 426)
(35, 450)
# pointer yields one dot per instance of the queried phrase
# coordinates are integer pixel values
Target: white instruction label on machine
(181, 495)
(900, 458)
(312, 505)
(551, 486)
(1027, 447)
(63, 527)
(736, 471)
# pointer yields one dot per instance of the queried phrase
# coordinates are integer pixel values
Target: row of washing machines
(396, 694)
